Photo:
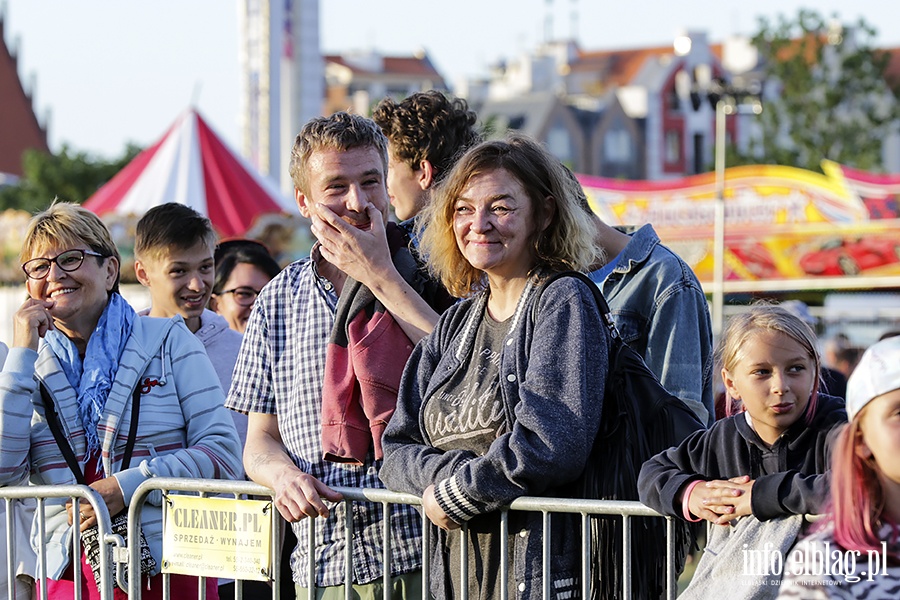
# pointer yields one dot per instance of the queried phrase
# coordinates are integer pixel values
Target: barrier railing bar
(560, 505)
(166, 578)
(42, 551)
(464, 564)
(348, 550)
(504, 553)
(76, 546)
(545, 568)
(626, 557)
(10, 550)
(76, 493)
(585, 556)
(201, 581)
(238, 584)
(526, 503)
(593, 507)
(547, 506)
(196, 486)
(671, 578)
(278, 533)
(426, 556)
(386, 549)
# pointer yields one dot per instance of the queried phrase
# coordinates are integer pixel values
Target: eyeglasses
(68, 261)
(245, 296)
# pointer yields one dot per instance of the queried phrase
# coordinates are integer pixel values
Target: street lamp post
(728, 98)
(725, 99)
(718, 291)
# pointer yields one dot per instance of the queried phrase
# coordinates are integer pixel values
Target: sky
(109, 72)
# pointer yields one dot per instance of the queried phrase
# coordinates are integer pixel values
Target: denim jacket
(661, 311)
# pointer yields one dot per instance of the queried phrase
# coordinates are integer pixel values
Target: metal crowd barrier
(546, 506)
(202, 488)
(12, 497)
(129, 557)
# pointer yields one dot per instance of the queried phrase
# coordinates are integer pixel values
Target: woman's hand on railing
(110, 492)
(434, 512)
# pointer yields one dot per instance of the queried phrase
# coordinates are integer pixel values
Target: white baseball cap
(877, 373)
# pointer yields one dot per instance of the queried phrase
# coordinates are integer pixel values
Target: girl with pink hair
(856, 554)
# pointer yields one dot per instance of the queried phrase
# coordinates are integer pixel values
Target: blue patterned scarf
(94, 378)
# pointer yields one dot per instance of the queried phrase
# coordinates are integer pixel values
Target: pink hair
(857, 500)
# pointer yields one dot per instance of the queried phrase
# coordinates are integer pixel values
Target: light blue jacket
(661, 312)
(184, 429)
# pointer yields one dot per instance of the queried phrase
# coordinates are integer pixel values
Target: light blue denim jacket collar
(638, 250)
(661, 311)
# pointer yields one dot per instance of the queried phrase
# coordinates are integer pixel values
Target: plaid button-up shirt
(280, 371)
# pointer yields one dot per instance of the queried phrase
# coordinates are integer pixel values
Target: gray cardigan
(552, 378)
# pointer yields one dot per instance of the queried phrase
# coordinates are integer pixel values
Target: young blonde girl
(862, 528)
(765, 462)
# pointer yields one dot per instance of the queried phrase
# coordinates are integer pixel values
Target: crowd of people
(428, 356)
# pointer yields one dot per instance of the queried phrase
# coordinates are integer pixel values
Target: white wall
(12, 297)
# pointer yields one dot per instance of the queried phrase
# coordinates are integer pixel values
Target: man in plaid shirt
(339, 168)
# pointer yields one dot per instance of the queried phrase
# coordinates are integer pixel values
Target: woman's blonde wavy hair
(567, 243)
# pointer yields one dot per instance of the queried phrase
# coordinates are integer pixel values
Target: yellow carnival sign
(783, 226)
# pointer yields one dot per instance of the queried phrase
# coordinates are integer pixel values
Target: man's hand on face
(362, 254)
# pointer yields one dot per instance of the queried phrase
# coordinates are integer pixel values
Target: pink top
(183, 587)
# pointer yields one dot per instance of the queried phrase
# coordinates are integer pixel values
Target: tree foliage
(69, 175)
(830, 100)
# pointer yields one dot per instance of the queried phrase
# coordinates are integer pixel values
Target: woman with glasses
(87, 366)
(243, 267)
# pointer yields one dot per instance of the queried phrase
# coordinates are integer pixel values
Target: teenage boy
(173, 250)
(426, 132)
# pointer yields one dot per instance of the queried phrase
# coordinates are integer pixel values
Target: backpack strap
(598, 298)
(132, 428)
(55, 426)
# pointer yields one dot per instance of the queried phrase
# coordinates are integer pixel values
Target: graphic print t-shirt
(467, 412)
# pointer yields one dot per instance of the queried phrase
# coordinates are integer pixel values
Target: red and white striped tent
(193, 166)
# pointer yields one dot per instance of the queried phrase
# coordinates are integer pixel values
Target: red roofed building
(612, 113)
(358, 81)
(594, 72)
(20, 129)
(618, 113)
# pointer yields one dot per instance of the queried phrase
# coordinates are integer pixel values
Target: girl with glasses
(243, 267)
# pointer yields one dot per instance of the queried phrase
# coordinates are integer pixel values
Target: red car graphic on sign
(850, 257)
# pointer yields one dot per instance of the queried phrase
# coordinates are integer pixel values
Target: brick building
(20, 129)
